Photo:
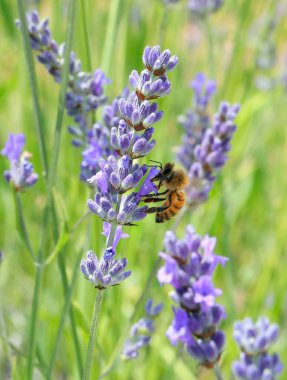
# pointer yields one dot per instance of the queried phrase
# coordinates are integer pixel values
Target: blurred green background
(246, 211)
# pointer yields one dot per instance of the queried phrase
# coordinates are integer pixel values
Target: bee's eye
(167, 171)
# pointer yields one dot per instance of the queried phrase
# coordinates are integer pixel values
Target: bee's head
(165, 173)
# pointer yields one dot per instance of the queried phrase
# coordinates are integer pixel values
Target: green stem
(61, 104)
(51, 175)
(4, 336)
(110, 36)
(97, 306)
(53, 170)
(93, 334)
(217, 372)
(86, 35)
(66, 288)
(34, 88)
(33, 324)
(66, 309)
(36, 294)
(79, 221)
(109, 370)
(227, 252)
(21, 225)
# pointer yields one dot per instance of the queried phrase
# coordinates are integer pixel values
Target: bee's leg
(156, 194)
(162, 208)
(163, 192)
(148, 200)
(151, 210)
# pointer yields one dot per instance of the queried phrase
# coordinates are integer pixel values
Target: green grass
(246, 210)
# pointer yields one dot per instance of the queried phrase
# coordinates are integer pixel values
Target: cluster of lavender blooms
(205, 145)
(204, 7)
(189, 266)
(141, 332)
(255, 340)
(196, 121)
(85, 90)
(107, 271)
(21, 173)
(131, 139)
(84, 96)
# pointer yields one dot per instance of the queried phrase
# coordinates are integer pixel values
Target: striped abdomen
(174, 203)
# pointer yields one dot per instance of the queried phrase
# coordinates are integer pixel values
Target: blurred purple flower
(203, 91)
(141, 332)
(204, 7)
(255, 340)
(21, 173)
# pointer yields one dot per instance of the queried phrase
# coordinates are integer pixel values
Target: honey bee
(174, 197)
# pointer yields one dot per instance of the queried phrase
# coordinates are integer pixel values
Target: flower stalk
(217, 372)
(21, 224)
(93, 334)
(34, 89)
(97, 308)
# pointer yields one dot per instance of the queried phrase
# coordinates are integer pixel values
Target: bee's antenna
(157, 162)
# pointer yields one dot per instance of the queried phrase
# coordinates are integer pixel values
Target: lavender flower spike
(85, 90)
(205, 146)
(105, 272)
(141, 332)
(196, 121)
(158, 62)
(21, 173)
(189, 265)
(203, 91)
(120, 183)
(254, 340)
(211, 154)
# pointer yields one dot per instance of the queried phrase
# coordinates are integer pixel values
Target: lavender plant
(210, 140)
(110, 153)
(49, 175)
(196, 120)
(254, 341)
(188, 268)
(205, 145)
(118, 195)
(85, 90)
(21, 173)
(84, 96)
